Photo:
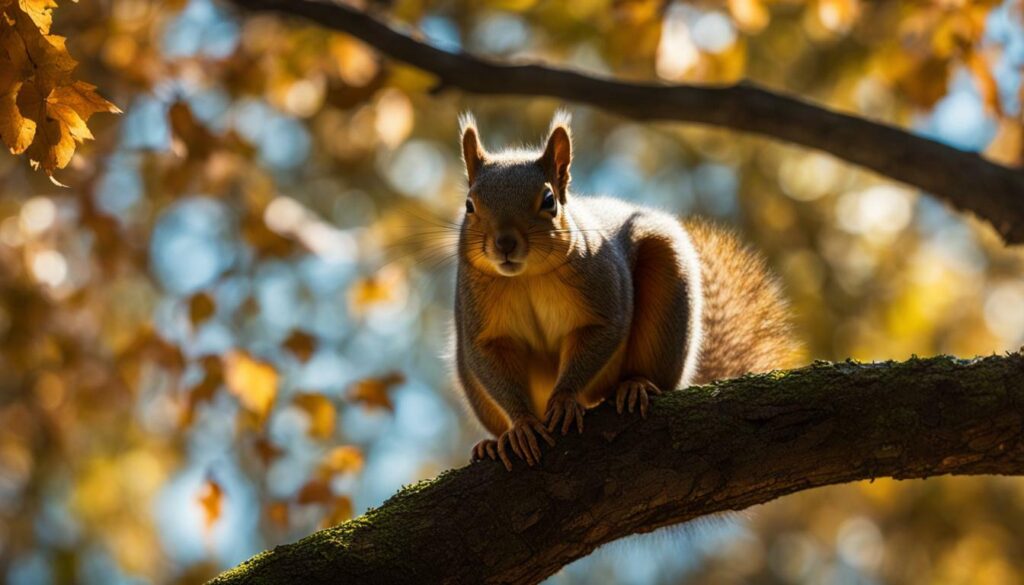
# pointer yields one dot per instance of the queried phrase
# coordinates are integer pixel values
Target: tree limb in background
(704, 450)
(965, 180)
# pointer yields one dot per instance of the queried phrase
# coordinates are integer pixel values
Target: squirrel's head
(515, 222)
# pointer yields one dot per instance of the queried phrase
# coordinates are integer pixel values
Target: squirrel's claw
(487, 448)
(635, 391)
(522, 438)
(566, 409)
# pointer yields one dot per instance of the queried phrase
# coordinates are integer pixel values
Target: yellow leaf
(321, 414)
(16, 131)
(344, 459)
(53, 145)
(750, 15)
(83, 99)
(211, 500)
(252, 381)
(40, 11)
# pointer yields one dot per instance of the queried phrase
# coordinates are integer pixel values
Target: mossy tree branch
(703, 450)
(965, 180)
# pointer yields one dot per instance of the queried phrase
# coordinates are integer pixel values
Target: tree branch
(965, 180)
(704, 450)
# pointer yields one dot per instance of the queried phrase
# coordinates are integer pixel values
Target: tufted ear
(472, 153)
(558, 154)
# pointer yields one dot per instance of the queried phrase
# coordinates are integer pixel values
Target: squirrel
(563, 301)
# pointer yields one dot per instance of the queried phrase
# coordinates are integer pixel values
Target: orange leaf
(317, 491)
(373, 392)
(345, 459)
(301, 344)
(321, 414)
(341, 510)
(277, 512)
(211, 499)
(253, 382)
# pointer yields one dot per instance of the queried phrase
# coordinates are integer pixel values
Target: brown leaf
(373, 392)
(211, 500)
(266, 242)
(267, 451)
(316, 491)
(205, 390)
(200, 308)
(321, 413)
(301, 344)
(190, 136)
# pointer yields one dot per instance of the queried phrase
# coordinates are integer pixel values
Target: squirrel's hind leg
(659, 337)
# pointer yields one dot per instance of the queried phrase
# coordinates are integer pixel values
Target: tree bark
(703, 450)
(965, 180)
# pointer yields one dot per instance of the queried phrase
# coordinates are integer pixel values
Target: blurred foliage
(226, 332)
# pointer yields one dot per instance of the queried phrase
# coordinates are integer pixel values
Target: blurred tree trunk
(965, 180)
(704, 450)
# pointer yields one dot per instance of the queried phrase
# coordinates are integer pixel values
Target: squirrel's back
(746, 325)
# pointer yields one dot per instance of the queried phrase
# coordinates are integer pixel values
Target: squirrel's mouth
(510, 267)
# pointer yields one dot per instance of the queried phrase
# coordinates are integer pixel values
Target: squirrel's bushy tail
(746, 324)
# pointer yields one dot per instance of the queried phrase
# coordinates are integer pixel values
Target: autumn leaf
(301, 344)
(40, 11)
(205, 390)
(253, 382)
(320, 411)
(16, 131)
(200, 308)
(278, 514)
(341, 510)
(211, 501)
(316, 491)
(378, 288)
(191, 138)
(373, 392)
(267, 451)
(344, 459)
(43, 111)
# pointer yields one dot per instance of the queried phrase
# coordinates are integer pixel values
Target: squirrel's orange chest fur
(538, 312)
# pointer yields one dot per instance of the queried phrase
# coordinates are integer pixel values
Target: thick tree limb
(965, 180)
(703, 450)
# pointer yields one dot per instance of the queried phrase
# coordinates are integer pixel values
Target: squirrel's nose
(505, 243)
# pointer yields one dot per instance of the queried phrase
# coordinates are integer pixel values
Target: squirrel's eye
(470, 208)
(548, 203)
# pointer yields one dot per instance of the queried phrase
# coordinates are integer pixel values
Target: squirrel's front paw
(486, 448)
(522, 437)
(635, 390)
(564, 408)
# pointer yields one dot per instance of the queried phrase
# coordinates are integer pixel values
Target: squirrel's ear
(473, 153)
(558, 154)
